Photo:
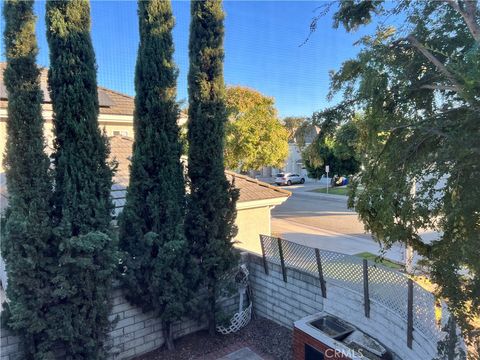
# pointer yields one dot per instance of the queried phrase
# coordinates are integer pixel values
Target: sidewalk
(333, 241)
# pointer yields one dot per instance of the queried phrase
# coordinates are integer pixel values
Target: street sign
(327, 170)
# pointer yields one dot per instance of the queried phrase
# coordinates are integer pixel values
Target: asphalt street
(328, 212)
(324, 221)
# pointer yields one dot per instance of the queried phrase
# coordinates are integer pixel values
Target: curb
(327, 196)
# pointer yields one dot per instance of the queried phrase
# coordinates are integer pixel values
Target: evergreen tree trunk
(212, 318)
(82, 205)
(168, 334)
(25, 241)
(157, 263)
(211, 208)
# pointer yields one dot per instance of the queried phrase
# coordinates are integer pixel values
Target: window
(120, 132)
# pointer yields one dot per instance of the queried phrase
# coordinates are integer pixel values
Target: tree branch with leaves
(418, 90)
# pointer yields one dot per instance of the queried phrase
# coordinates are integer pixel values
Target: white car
(288, 179)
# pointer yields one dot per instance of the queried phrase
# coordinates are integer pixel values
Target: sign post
(327, 170)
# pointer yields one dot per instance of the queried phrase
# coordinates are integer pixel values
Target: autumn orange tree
(254, 136)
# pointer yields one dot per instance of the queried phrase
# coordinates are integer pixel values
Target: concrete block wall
(10, 345)
(134, 333)
(283, 302)
(137, 333)
(300, 296)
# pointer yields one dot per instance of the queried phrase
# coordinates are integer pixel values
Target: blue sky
(262, 50)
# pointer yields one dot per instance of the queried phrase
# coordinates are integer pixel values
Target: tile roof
(250, 189)
(111, 102)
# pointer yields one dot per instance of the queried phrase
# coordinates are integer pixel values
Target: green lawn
(334, 191)
(385, 262)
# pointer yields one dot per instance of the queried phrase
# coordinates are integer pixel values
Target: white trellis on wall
(243, 316)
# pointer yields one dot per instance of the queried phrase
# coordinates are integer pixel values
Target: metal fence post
(410, 314)
(265, 265)
(320, 273)
(282, 260)
(366, 296)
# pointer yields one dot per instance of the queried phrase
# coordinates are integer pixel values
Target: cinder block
(114, 351)
(146, 347)
(116, 317)
(286, 307)
(143, 332)
(4, 332)
(152, 322)
(134, 327)
(132, 312)
(159, 342)
(9, 349)
(120, 340)
(133, 343)
(292, 289)
(124, 322)
(153, 336)
(17, 356)
(13, 340)
(299, 283)
(120, 308)
(127, 354)
(310, 302)
(115, 333)
(143, 316)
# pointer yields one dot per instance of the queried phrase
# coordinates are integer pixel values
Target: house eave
(261, 203)
(102, 118)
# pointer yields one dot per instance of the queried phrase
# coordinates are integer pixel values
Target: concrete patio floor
(243, 354)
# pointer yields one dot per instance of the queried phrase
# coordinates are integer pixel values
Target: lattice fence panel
(344, 269)
(386, 286)
(299, 257)
(424, 310)
(270, 247)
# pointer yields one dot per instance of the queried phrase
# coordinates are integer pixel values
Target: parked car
(288, 179)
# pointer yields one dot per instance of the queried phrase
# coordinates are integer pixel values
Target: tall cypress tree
(82, 205)
(151, 224)
(211, 208)
(26, 235)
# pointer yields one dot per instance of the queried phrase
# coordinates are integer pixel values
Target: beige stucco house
(116, 118)
(256, 201)
(116, 111)
(294, 162)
